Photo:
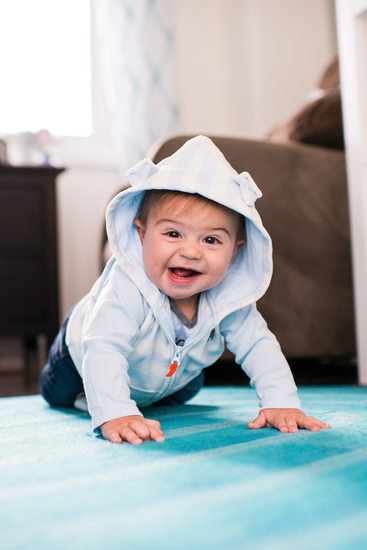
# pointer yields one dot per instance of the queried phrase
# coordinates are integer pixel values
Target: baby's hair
(154, 196)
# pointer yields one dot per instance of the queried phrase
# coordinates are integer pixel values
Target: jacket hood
(197, 167)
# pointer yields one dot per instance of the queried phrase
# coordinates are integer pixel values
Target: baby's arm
(260, 356)
(287, 420)
(134, 429)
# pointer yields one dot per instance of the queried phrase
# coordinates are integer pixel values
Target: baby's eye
(173, 234)
(211, 240)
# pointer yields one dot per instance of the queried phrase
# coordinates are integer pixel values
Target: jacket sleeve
(108, 335)
(258, 352)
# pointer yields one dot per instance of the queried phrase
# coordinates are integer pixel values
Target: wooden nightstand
(29, 294)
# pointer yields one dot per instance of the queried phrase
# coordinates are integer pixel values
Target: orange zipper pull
(172, 369)
(175, 363)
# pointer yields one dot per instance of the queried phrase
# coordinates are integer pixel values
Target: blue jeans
(60, 381)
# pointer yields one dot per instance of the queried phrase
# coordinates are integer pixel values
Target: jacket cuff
(290, 402)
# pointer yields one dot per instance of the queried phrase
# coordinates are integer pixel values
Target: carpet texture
(213, 484)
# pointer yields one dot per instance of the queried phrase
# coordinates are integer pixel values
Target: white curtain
(135, 50)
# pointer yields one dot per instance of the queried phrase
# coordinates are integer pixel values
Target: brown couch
(309, 305)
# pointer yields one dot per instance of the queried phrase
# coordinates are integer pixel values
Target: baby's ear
(140, 228)
(237, 247)
(141, 171)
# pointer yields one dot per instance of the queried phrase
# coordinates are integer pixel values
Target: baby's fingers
(259, 422)
(284, 425)
(155, 430)
(312, 424)
(123, 433)
(112, 435)
(130, 435)
(141, 428)
(292, 426)
(147, 429)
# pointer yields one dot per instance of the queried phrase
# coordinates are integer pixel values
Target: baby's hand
(134, 429)
(287, 420)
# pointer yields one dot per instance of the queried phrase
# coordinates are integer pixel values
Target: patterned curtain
(135, 48)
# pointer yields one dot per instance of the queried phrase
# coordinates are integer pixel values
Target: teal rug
(213, 484)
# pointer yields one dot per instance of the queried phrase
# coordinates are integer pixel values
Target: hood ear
(141, 171)
(249, 190)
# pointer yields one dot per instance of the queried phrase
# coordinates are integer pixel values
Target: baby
(190, 259)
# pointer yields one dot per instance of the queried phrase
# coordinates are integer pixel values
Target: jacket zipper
(177, 355)
(175, 362)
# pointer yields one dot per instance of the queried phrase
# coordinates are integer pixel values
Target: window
(46, 67)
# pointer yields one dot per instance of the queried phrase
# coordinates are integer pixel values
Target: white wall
(245, 65)
(242, 67)
(82, 195)
(352, 39)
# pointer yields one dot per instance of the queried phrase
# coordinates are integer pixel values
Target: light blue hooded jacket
(121, 335)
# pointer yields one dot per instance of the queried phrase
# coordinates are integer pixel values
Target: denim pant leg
(185, 393)
(60, 381)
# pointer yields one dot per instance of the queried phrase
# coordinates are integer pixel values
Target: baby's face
(186, 251)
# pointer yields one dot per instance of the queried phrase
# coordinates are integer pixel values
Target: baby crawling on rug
(190, 259)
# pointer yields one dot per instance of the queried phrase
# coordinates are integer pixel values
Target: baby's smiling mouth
(183, 273)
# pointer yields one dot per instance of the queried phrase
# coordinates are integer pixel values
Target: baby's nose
(190, 251)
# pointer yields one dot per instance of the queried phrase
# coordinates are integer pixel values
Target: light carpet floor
(214, 484)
